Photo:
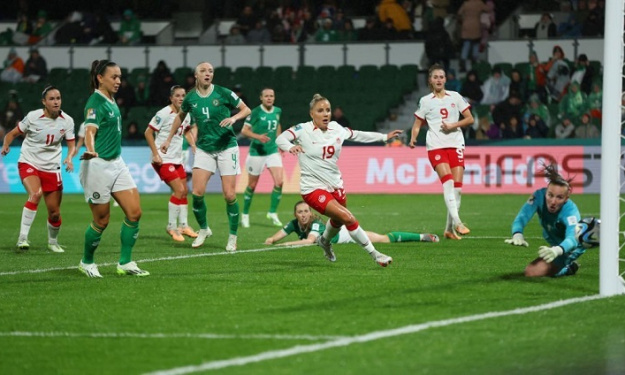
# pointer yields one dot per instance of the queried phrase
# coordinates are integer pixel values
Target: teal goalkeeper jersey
(263, 122)
(558, 228)
(104, 114)
(207, 112)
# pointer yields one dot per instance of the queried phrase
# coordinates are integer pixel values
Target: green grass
(264, 301)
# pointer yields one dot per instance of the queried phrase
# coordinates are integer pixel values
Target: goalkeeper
(559, 217)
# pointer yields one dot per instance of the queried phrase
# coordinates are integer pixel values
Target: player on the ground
(318, 144)
(103, 173)
(309, 227)
(263, 126)
(444, 142)
(170, 166)
(39, 163)
(216, 147)
(559, 218)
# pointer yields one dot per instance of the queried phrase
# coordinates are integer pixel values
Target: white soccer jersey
(42, 139)
(161, 124)
(434, 111)
(318, 162)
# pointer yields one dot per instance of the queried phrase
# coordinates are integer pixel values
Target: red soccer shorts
(50, 181)
(452, 156)
(170, 172)
(319, 199)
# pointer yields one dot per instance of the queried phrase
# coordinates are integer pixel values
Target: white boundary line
(209, 336)
(377, 335)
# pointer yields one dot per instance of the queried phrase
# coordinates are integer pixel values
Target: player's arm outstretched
(8, 139)
(370, 137)
(518, 225)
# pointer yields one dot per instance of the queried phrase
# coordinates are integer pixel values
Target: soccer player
(309, 227)
(170, 166)
(209, 106)
(103, 173)
(39, 163)
(444, 142)
(559, 217)
(318, 144)
(263, 126)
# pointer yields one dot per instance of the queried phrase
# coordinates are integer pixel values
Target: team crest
(172, 168)
(216, 103)
(322, 198)
(96, 195)
(30, 170)
(453, 105)
(437, 157)
(91, 114)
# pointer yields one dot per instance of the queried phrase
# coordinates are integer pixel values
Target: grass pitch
(455, 307)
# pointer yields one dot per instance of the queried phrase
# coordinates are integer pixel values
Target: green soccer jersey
(104, 114)
(207, 112)
(263, 122)
(293, 226)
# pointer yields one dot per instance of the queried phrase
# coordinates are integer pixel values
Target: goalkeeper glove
(517, 240)
(550, 253)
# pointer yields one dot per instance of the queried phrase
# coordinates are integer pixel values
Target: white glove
(549, 253)
(517, 240)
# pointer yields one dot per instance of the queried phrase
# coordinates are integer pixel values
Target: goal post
(612, 168)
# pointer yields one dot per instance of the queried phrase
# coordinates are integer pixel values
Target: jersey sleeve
(317, 228)
(186, 123)
(285, 140)
(461, 102)
(421, 109)
(91, 114)
(525, 214)
(156, 123)
(569, 218)
(289, 227)
(69, 130)
(233, 99)
(24, 125)
(365, 137)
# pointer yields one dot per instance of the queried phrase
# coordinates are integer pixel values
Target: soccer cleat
(55, 248)
(23, 244)
(188, 231)
(462, 229)
(232, 243)
(382, 259)
(327, 248)
(451, 235)
(274, 218)
(175, 235)
(131, 268)
(427, 237)
(91, 270)
(245, 220)
(202, 235)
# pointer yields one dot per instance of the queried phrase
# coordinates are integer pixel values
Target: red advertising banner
(489, 170)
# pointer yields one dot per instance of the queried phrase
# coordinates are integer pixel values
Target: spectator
(593, 24)
(511, 107)
(518, 84)
(160, 84)
(12, 113)
(584, 73)
(487, 20)
(587, 129)
(279, 35)
(545, 28)
(247, 20)
(71, 31)
(234, 37)
(339, 116)
(574, 103)
(536, 128)
(326, 34)
(339, 20)
(536, 77)
(13, 68)
(390, 9)
(388, 32)
(565, 129)
(438, 46)
(125, 97)
(189, 82)
(472, 88)
(486, 129)
(570, 28)
(142, 93)
(453, 83)
(259, 34)
(23, 29)
(471, 30)
(595, 100)
(42, 27)
(558, 76)
(370, 31)
(133, 132)
(103, 32)
(348, 34)
(129, 29)
(496, 88)
(536, 107)
(511, 129)
(36, 69)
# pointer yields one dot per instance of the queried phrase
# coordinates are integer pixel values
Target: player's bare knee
(230, 196)
(35, 197)
(252, 185)
(54, 216)
(134, 215)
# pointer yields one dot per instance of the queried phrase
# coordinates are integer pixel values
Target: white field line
(377, 335)
(199, 255)
(209, 336)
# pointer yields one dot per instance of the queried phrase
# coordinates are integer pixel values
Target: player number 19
(328, 152)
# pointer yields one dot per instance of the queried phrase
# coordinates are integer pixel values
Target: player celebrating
(170, 166)
(209, 106)
(39, 163)
(318, 146)
(308, 228)
(263, 126)
(559, 218)
(444, 142)
(103, 172)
